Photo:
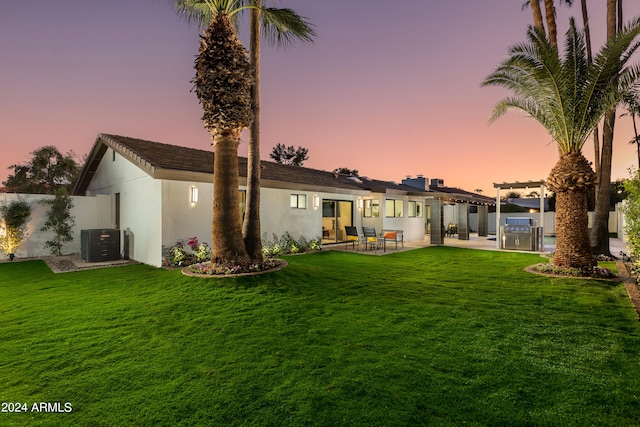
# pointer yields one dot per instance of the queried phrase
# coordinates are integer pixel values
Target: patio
(474, 242)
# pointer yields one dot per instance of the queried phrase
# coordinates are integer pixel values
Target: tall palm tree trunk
(226, 234)
(600, 230)
(587, 39)
(537, 14)
(635, 132)
(550, 14)
(251, 227)
(223, 85)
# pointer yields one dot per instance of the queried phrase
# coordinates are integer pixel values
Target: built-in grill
(520, 233)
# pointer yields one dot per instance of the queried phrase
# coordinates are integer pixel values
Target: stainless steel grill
(521, 234)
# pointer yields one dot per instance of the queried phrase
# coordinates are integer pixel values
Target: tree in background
(59, 220)
(600, 228)
(346, 171)
(512, 195)
(632, 105)
(47, 171)
(282, 27)
(568, 97)
(550, 15)
(289, 155)
(13, 233)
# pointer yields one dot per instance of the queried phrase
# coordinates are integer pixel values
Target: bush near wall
(287, 244)
(632, 214)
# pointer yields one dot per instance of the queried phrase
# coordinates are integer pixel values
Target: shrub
(631, 210)
(14, 232)
(185, 253)
(286, 244)
(60, 220)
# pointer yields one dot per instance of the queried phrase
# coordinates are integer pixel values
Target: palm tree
(587, 37)
(223, 84)
(600, 229)
(632, 104)
(537, 13)
(282, 27)
(550, 15)
(568, 97)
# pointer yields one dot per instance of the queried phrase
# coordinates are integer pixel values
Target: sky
(391, 89)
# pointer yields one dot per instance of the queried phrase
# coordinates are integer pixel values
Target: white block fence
(89, 212)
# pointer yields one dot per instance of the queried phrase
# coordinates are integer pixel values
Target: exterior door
(336, 214)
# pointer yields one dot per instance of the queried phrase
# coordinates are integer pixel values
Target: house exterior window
(299, 201)
(371, 208)
(393, 208)
(415, 209)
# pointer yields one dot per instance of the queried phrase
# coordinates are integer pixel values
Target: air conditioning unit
(99, 245)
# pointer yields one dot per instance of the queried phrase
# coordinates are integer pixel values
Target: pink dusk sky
(388, 88)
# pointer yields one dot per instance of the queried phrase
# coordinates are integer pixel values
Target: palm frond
(283, 27)
(567, 96)
(201, 12)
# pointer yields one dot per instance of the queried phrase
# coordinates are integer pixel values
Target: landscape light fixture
(316, 201)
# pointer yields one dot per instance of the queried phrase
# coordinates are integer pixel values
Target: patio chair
(392, 236)
(370, 237)
(352, 236)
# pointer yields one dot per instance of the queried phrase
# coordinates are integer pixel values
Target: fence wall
(616, 220)
(89, 212)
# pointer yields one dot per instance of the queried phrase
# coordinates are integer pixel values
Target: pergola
(517, 185)
(437, 199)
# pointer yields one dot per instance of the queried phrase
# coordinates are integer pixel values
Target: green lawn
(436, 336)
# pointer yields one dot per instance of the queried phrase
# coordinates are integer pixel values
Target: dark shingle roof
(183, 163)
(155, 157)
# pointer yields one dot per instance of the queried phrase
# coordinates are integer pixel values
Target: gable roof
(166, 161)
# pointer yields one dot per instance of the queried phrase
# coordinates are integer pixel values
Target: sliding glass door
(336, 214)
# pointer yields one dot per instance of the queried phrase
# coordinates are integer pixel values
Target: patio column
(498, 217)
(463, 221)
(437, 228)
(483, 220)
(542, 190)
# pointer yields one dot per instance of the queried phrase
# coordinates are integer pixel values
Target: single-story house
(161, 193)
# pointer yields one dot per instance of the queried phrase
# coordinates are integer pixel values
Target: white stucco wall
(140, 205)
(182, 219)
(412, 227)
(277, 216)
(88, 212)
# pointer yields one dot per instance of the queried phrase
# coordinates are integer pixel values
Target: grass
(436, 336)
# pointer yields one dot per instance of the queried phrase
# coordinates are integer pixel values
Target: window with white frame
(299, 201)
(393, 208)
(371, 208)
(415, 209)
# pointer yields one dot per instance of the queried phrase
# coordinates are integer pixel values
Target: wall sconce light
(360, 203)
(316, 201)
(194, 194)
